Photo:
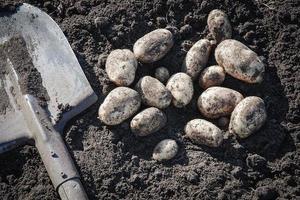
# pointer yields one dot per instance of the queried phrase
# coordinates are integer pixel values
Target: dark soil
(115, 164)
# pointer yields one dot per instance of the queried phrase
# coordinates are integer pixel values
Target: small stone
(165, 150)
(186, 30)
(266, 193)
(162, 74)
(148, 121)
(223, 122)
(256, 161)
(181, 87)
(101, 22)
(192, 177)
(153, 92)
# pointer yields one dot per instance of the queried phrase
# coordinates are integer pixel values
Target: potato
(219, 25)
(248, 116)
(153, 46)
(216, 101)
(121, 66)
(165, 150)
(120, 104)
(239, 61)
(153, 92)
(196, 58)
(211, 76)
(148, 121)
(162, 74)
(181, 87)
(204, 132)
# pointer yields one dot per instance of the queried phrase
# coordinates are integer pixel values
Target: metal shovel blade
(42, 86)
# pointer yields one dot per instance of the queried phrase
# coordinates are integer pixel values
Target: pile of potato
(246, 115)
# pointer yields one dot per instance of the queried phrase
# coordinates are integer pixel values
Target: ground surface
(116, 165)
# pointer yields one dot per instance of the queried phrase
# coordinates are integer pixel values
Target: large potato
(196, 58)
(153, 92)
(248, 116)
(219, 25)
(204, 132)
(148, 121)
(216, 101)
(165, 150)
(211, 76)
(181, 87)
(120, 104)
(239, 61)
(121, 66)
(153, 46)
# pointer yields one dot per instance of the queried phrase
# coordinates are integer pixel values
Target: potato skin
(181, 87)
(121, 66)
(211, 76)
(239, 61)
(216, 101)
(153, 46)
(219, 25)
(165, 150)
(204, 132)
(120, 104)
(148, 121)
(248, 117)
(153, 92)
(196, 58)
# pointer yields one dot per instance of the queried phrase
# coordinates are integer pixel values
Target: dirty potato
(211, 76)
(162, 74)
(148, 121)
(165, 150)
(153, 46)
(216, 102)
(153, 92)
(204, 132)
(219, 25)
(248, 116)
(121, 66)
(239, 61)
(181, 87)
(120, 104)
(196, 58)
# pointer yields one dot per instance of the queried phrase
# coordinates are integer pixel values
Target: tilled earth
(115, 164)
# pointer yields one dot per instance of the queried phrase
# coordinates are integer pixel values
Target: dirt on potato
(114, 164)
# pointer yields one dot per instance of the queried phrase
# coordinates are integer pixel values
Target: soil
(114, 164)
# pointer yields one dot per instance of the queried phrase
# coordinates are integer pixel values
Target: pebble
(153, 46)
(148, 121)
(165, 150)
(203, 132)
(121, 66)
(196, 58)
(211, 76)
(181, 87)
(120, 104)
(162, 74)
(217, 101)
(239, 61)
(219, 25)
(153, 92)
(248, 117)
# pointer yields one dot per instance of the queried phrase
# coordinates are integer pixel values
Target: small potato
(216, 102)
(181, 87)
(153, 46)
(248, 116)
(219, 25)
(148, 121)
(204, 132)
(239, 61)
(121, 66)
(153, 92)
(165, 150)
(196, 58)
(211, 76)
(162, 74)
(120, 104)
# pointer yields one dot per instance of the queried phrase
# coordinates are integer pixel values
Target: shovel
(42, 86)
